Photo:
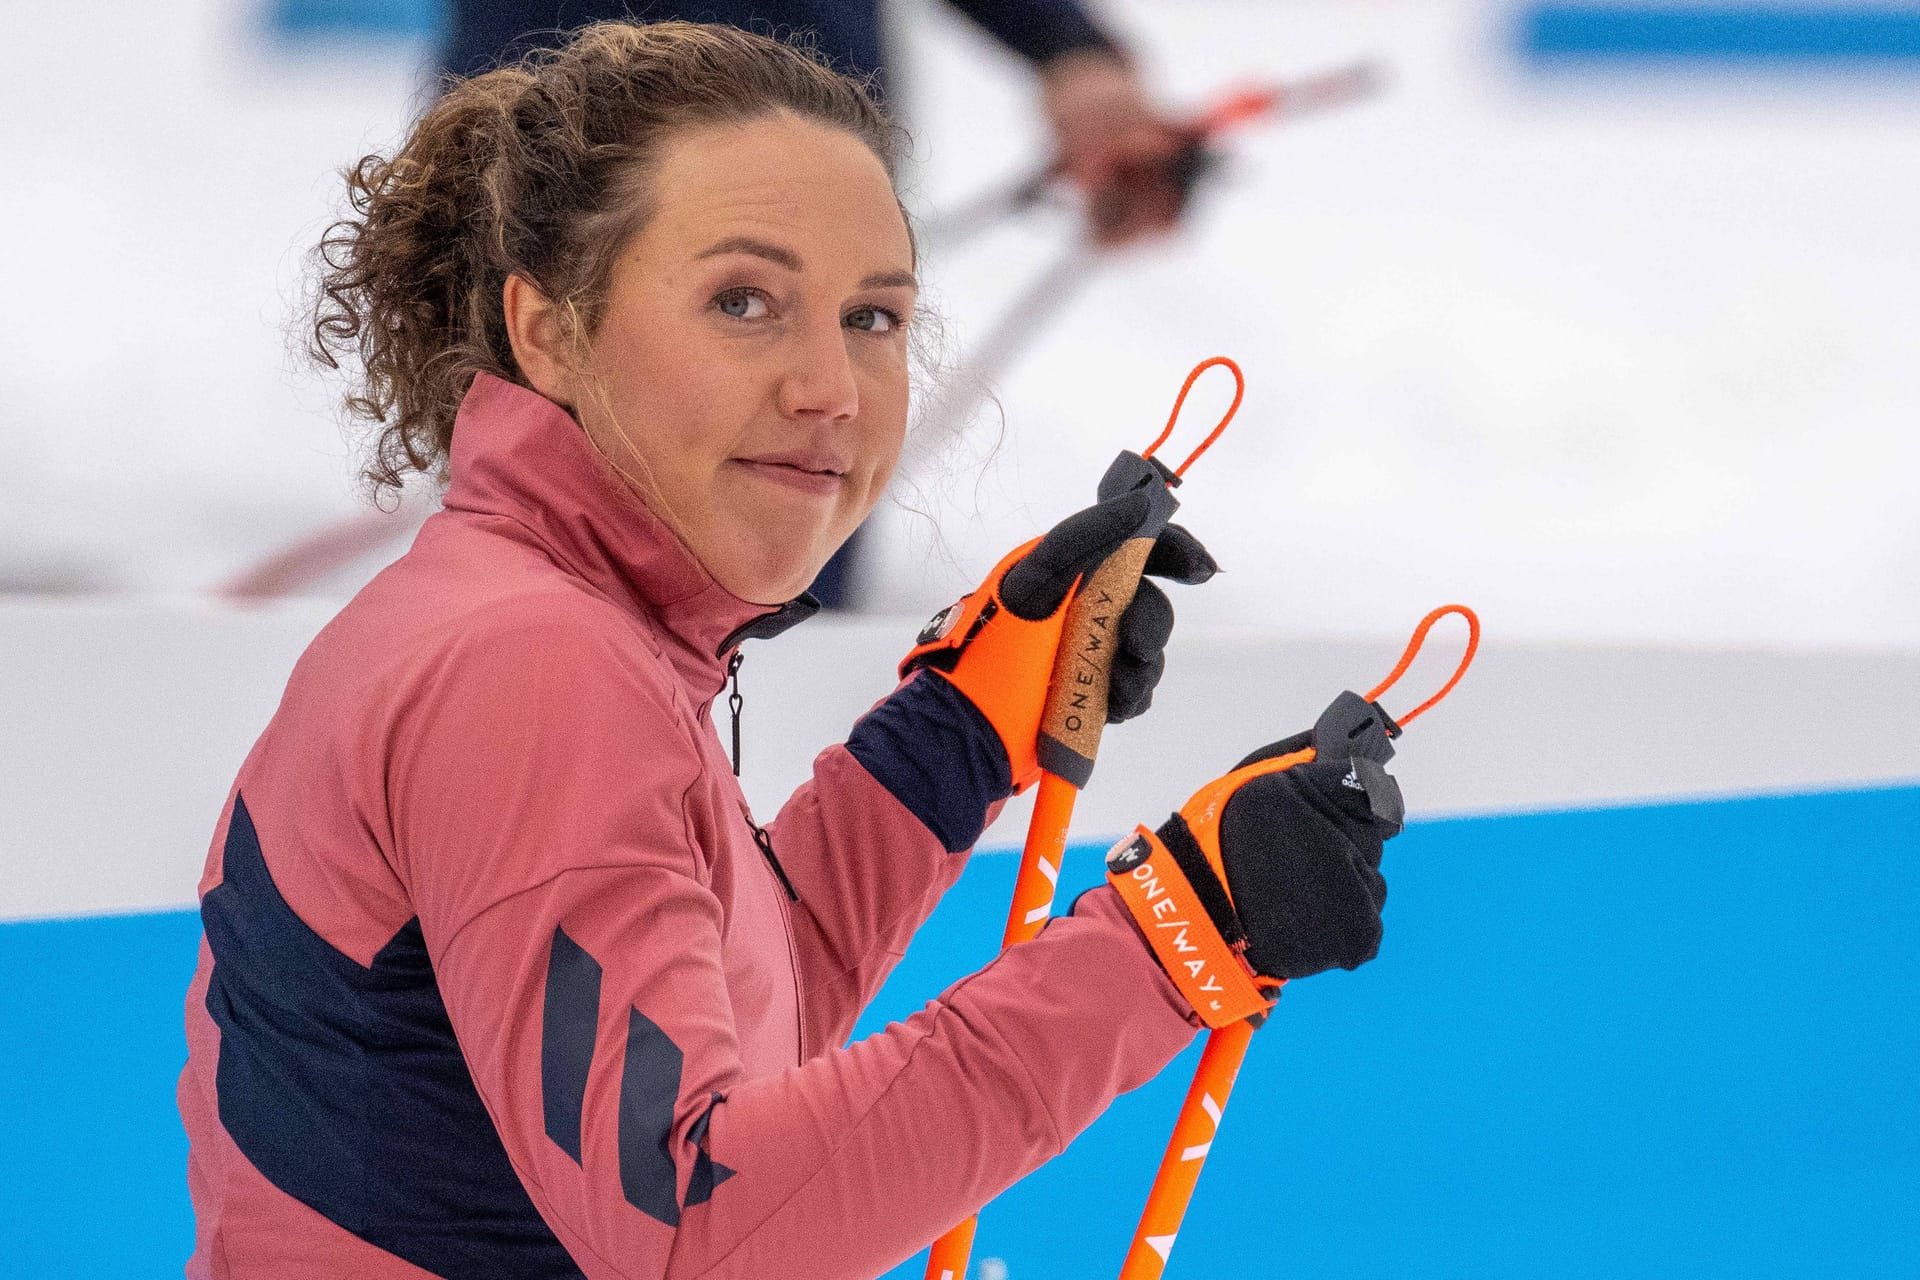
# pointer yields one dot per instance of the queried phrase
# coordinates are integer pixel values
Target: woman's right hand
(962, 737)
(1272, 871)
(997, 645)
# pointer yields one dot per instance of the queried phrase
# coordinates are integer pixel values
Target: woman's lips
(820, 482)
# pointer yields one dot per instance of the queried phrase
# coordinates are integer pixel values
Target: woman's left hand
(997, 644)
(1114, 144)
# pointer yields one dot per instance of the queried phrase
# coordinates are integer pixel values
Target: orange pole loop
(1239, 393)
(1413, 651)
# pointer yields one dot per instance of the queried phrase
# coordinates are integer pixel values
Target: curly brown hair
(540, 169)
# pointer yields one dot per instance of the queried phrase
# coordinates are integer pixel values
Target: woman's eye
(742, 304)
(873, 320)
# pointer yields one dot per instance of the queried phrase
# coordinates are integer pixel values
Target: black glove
(1037, 584)
(1279, 859)
(997, 645)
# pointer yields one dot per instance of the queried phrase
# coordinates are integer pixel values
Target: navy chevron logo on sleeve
(649, 1088)
(649, 1091)
(568, 1026)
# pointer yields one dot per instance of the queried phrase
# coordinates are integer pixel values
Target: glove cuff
(937, 754)
(1174, 905)
(1002, 669)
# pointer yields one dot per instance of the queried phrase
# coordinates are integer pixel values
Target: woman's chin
(770, 575)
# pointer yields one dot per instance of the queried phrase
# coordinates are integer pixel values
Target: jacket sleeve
(1038, 30)
(536, 799)
(876, 837)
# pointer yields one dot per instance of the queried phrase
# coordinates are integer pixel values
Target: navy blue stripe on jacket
(345, 1087)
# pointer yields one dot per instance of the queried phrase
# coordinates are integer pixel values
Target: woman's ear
(541, 340)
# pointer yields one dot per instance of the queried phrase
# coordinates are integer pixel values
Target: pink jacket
(496, 981)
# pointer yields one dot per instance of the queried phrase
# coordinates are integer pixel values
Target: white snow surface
(1613, 359)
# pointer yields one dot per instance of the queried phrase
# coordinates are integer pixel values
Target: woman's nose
(819, 382)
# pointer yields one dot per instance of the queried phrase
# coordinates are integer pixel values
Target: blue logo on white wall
(1848, 34)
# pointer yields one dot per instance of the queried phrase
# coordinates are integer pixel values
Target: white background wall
(125, 725)
(1614, 360)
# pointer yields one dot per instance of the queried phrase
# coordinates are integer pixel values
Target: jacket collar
(518, 455)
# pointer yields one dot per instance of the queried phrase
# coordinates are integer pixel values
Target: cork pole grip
(1076, 707)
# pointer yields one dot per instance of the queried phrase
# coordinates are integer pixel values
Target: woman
(500, 977)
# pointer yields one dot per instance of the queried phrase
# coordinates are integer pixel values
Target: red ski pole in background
(1075, 717)
(1206, 1100)
(1194, 160)
(1055, 286)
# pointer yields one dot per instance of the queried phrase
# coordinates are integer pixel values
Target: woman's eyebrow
(890, 280)
(782, 256)
(773, 253)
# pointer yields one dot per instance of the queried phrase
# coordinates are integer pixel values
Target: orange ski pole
(1206, 1100)
(1070, 729)
(1187, 1150)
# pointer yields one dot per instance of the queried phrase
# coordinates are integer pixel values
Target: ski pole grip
(1076, 708)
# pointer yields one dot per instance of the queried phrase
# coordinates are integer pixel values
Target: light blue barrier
(1836, 32)
(1666, 1041)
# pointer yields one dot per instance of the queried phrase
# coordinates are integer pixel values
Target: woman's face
(749, 375)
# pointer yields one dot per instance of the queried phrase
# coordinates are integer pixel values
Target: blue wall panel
(1674, 1040)
(92, 1157)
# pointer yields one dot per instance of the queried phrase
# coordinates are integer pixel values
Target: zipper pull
(734, 703)
(765, 841)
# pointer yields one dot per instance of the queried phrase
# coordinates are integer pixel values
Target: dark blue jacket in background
(847, 31)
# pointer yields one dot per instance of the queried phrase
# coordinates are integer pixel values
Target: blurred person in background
(1108, 137)
(500, 977)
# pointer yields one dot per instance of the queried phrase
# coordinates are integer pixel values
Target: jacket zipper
(760, 837)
